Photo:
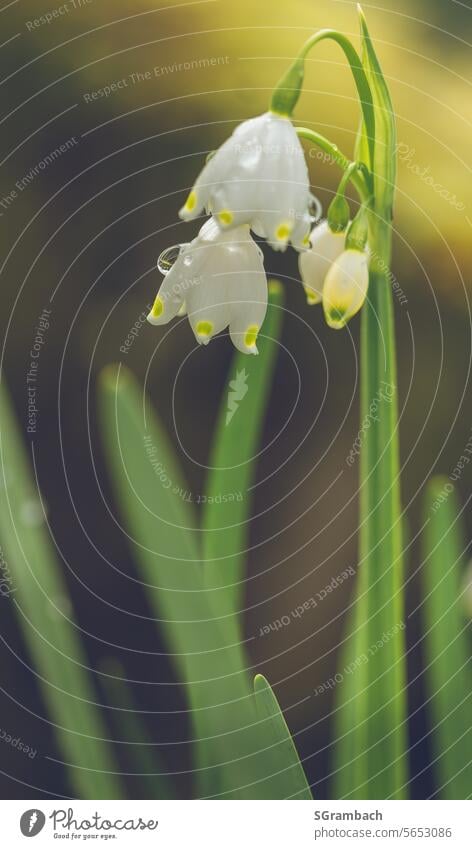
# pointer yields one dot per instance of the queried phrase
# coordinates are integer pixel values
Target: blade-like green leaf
(348, 768)
(380, 683)
(143, 757)
(211, 664)
(233, 464)
(384, 162)
(42, 604)
(287, 767)
(374, 730)
(446, 642)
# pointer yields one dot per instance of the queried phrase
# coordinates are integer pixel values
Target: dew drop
(167, 258)
(315, 210)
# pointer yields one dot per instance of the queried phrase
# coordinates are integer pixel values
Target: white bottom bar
(226, 824)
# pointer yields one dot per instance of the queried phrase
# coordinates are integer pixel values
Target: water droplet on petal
(315, 210)
(167, 258)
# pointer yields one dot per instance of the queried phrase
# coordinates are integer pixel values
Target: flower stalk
(258, 180)
(371, 715)
(375, 745)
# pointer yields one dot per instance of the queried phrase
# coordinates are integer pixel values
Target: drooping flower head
(345, 287)
(314, 264)
(219, 280)
(258, 177)
(335, 269)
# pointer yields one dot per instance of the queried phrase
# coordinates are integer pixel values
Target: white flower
(258, 177)
(345, 287)
(315, 263)
(219, 279)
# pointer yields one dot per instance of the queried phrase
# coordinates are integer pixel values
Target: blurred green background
(81, 239)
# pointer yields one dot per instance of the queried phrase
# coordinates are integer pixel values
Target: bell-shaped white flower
(345, 287)
(258, 177)
(314, 264)
(219, 280)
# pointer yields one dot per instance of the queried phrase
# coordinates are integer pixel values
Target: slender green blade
(348, 768)
(381, 584)
(384, 163)
(376, 745)
(42, 605)
(371, 716)
(233, 464)
(139, 751)
(446, 641)
(211, 664)
(288, 770)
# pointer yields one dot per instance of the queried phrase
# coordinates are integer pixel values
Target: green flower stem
(371, 719)
(358, 231)
(383, 710)
(288, 90)
(357, 177)
(370, 723)
(350, 170)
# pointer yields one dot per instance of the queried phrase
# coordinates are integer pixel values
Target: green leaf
(287, 769)
(372, 706)
(373, 698)
(361, 148)
(233, 461)
(358, 180)
(384, 160)
(350, 708)
(381, 554)
(139, 750)
(446, 641)
(161, 525)
(43, 608)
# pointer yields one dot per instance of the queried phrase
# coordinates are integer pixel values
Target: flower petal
(247, 299)
(315, 263)
(207, 306)
(258, 176)
(169, 298)
(345, 287)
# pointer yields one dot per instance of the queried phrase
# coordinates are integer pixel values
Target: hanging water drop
(167, 258)
(315, 210)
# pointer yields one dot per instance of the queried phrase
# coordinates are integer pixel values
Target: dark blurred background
(81, 239)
